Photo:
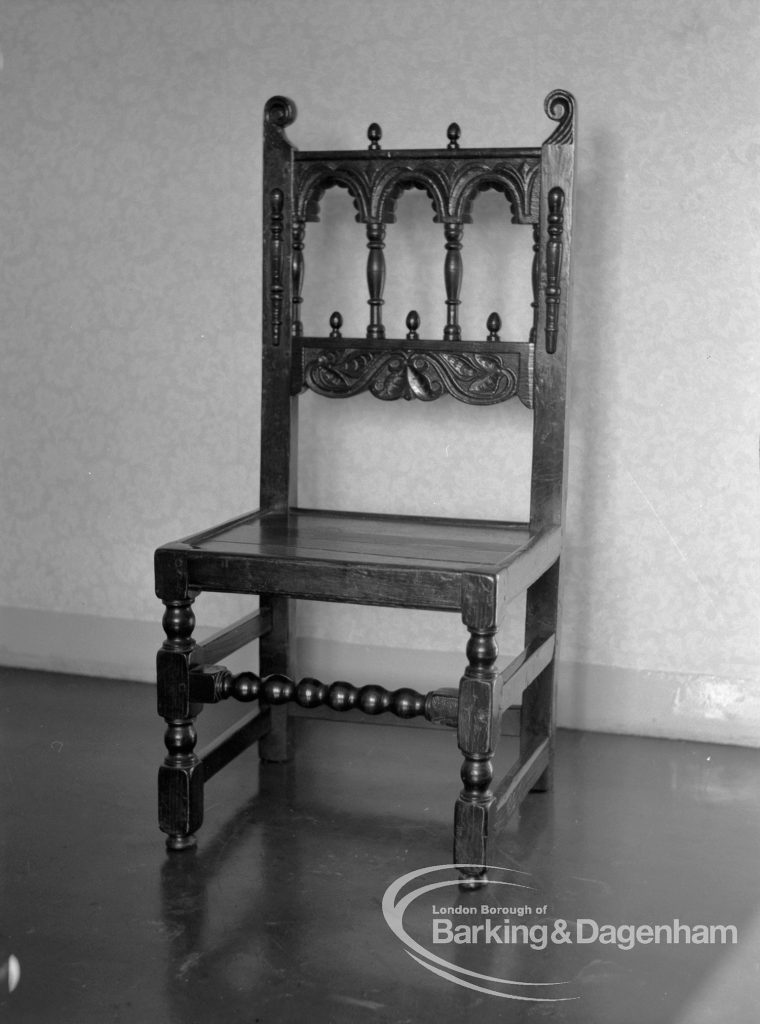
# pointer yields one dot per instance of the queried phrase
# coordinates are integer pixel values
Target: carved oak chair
(282, 552)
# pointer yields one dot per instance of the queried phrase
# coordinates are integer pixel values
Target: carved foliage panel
(476, 378)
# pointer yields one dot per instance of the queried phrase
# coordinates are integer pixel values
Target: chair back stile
(549, 460)
(279, 409)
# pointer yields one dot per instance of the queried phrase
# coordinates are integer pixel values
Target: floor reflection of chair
(264, 882)
(258, 907)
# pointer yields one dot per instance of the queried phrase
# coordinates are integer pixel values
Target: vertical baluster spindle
(555, 227)
(375, 278)
(534, 282)
(452, 276)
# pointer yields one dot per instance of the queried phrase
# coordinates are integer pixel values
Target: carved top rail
(452, 176)
(452, 180)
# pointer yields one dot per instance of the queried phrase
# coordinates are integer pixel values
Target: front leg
(477, 736)
(180, 777)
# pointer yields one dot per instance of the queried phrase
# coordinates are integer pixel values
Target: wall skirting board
(598, 698)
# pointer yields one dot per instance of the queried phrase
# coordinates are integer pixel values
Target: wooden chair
(282, 552)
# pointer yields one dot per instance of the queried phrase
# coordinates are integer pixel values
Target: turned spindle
(555, 227)
(297, 275)
(178, 622)
(375, 277)
(276, 289)
(534, 281)
(278, 689)
(452, 276)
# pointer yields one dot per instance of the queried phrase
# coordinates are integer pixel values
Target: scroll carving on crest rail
(280, 112)
(471, 377)
(560, 106)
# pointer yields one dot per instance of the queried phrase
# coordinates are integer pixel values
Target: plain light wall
(130, 226)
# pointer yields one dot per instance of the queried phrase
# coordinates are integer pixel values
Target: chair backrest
(538, 185)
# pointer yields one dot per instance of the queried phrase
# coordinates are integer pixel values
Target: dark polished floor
(277, 916)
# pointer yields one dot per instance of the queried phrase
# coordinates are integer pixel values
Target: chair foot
(180, 789)
(277, 746)
(468, 883)
(471, 832)
(180, 842)
(545, 782)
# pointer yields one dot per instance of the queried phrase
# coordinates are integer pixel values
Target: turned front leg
(180, 777)
(477, 739)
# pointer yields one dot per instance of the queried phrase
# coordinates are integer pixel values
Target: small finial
(494, 326)
(336, 322)
(412, 324)
(453, 133)
(374, 134)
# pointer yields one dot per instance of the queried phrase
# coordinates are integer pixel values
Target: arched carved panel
(392, 181)
(451, 184)
(518, 182)
(312, 181)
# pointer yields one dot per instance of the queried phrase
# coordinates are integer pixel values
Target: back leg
(538, 715)
(275, 657)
